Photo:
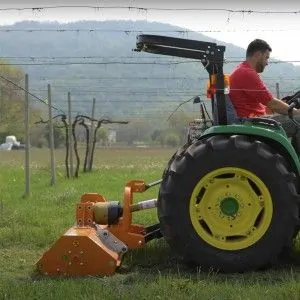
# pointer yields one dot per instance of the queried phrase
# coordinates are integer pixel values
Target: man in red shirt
(249, 95)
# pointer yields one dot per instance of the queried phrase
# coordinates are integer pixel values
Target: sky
(281, 30)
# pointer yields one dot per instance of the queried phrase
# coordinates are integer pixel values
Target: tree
(11, 101)
(179, 124)
(137, 130)
(156, 134)
(37, 137)
(102, 136)
(58, 134)
(172, 139)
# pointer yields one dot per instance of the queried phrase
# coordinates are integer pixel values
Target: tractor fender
(276, 139)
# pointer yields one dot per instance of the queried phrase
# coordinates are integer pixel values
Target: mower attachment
(103, 234)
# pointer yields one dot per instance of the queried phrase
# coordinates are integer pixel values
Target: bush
(172, 139)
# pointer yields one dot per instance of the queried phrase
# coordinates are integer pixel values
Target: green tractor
(229, 199)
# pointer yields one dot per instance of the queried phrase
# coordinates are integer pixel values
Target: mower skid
(82, 251)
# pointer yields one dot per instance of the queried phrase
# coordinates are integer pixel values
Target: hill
(95, 60)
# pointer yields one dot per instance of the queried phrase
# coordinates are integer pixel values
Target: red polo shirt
(248, 93)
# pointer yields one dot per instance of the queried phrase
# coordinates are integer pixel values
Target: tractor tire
(229, 204)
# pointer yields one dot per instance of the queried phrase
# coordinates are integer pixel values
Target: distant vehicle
(11, 143)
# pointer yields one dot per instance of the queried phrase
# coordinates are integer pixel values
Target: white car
(11, 143)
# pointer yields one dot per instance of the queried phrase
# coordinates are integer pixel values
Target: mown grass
(28, 226)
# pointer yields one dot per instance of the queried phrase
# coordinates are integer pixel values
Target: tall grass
(28, 226)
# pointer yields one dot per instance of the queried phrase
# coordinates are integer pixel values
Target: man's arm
(280, 107)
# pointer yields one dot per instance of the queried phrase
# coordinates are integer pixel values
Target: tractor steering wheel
(293, 103)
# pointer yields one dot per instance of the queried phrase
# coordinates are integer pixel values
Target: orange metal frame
(131, 234)
(80, 252)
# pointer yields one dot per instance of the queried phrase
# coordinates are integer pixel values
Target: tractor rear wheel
(228, 203)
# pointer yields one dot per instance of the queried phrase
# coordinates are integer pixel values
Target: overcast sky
(280, 30)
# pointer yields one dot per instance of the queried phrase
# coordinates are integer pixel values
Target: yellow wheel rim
(231, 208)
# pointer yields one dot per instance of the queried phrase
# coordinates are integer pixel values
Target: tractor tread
(177, 184)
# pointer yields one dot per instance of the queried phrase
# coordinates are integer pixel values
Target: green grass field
(29, 226)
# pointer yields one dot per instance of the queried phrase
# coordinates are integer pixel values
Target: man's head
(257, 54)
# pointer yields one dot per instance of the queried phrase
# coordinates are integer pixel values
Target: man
(250, 96)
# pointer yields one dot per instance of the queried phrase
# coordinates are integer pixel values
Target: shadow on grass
(159, 259)
(156, 260)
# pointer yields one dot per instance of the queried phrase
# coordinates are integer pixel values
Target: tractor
(228, 199)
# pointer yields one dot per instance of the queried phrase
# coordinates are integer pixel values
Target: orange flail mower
(102, 235)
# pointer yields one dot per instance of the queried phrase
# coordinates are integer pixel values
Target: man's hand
(280, 107)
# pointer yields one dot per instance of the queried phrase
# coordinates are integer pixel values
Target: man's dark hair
(257, 45)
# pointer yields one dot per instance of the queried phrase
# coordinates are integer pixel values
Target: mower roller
(228, 200)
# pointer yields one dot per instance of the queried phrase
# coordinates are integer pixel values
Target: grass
(29, 226)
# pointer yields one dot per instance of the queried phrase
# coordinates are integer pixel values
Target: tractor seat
(232, 117)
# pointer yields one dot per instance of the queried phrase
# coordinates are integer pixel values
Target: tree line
(150, 131)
